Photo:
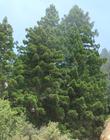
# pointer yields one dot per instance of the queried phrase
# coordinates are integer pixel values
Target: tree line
(56, 75)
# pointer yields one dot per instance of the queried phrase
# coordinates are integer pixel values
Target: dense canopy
(56, 74)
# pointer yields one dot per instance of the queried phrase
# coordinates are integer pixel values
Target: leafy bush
(49, 132)
(10, 123)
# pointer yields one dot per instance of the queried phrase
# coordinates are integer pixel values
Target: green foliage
(62, 76)
(10, 122)
(51, 131)
(57, 76)
(6, 57)
(105, 54)
(86, 83)
(51, 18)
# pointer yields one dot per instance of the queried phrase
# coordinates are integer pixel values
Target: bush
(10, 123)
(49, 132)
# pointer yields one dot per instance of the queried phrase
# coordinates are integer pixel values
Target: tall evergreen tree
(6, 56)
(61, 74)
(42, 75)
(86, 85)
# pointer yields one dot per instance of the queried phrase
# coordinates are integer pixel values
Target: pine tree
(86, 85)
(42, 76)
(6, 57)
(61, 75)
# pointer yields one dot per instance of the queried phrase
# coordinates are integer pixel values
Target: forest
(55, 86)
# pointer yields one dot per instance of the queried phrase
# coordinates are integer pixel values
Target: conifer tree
(6, 57)
(42, 74)
(62, 78)
(86, 85)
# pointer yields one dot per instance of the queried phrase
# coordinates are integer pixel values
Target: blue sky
(25, 13)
